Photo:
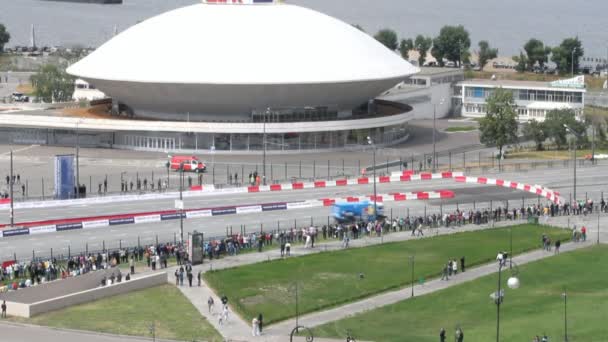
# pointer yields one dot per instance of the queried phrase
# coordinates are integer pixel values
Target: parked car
(19, 97)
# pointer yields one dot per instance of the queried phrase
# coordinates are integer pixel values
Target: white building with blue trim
(533, 100)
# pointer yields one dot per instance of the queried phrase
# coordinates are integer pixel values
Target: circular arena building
(237, 69)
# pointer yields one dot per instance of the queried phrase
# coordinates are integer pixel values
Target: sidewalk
(238, 327)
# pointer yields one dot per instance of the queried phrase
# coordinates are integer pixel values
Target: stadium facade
(252, 67)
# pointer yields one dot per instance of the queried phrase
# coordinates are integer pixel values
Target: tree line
(500, 126)
(453, 44)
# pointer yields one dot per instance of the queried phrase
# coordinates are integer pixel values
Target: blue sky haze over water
(507, 25)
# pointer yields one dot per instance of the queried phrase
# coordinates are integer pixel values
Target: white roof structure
(242, 44)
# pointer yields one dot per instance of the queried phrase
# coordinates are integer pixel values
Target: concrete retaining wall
(29, 310)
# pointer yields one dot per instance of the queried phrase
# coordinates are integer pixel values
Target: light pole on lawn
(412, 263)
(371, 143)
(498, 296)
(565, 296)
(577, 136)
(511, 247)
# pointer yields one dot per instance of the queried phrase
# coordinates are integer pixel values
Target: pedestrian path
(238, 327)
(322, 317)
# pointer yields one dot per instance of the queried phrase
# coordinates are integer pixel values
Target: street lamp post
(264, 143)
(565, 295)
(181, 210)
(498, 296)
(371, 143)
(573, 157)
(572, 61)
(77, 160)
(412, 262)
(511, 247)
(434, 132)
(12, 212)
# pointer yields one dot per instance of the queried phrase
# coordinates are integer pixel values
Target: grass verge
(461, 129)
(332, 278)
(132, 314)
(537, 307)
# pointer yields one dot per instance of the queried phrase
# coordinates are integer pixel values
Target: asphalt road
(467, 196)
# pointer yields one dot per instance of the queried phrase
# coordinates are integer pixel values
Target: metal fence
(155, 179)
(276, 226)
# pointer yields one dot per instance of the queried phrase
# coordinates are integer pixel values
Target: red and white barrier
(392, 197)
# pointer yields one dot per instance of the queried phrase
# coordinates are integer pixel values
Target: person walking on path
(132, 264)
(288, 249)
(459, 335)
(584, 233)
(3, 309)
(260, 323)
(558, 243)
(210, 304)
(444, 275)
(454, 267)
(176, 277)
(462, 263)
(255, 327)
(181, 276)
(190, 276)
(198, 278)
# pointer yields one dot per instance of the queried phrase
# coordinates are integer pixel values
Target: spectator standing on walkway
(255, 327)
(198, 278)
(181, 276)
(3, 309)
(210, 303)
(454, 267)
(260, 323)
(444, 274)
(462, 263)
(584, 233)
(132, 264)
(557, 245)
(442, 335)
(288, 249)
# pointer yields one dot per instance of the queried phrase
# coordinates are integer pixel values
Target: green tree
(536, 52)
(452, 43)
(52, 83)
(521, 61)
(4, 37)
(404, 48)
(554, 126)
(499, 126)
(422, 45)
(388, 38)
(534, 131)
(567, 54)
(486, 53)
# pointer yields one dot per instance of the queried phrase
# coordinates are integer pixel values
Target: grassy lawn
(461, 129)
(537, 307)
(331, 278)
(555, 155)
(131, 314)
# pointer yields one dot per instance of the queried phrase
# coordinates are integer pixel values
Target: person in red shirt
(584, 233)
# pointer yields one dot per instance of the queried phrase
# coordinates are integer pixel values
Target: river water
(506, 24)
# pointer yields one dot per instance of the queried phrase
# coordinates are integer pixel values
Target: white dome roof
(242, 44)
